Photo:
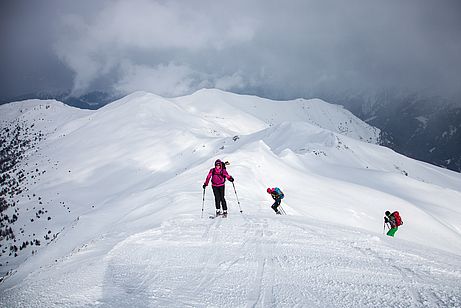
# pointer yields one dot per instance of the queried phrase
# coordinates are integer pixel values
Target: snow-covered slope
(114, 198)
(228, 106)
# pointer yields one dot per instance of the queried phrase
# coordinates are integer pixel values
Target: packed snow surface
(122, 190)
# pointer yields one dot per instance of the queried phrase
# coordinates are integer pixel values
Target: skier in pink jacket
(218, 176)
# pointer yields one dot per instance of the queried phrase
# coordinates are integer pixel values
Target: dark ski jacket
(277, 194)
(391, 220)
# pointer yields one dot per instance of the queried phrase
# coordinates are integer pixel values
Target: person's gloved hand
(231, 179)
(204, 186)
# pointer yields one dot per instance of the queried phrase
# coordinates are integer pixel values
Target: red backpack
(398, 219)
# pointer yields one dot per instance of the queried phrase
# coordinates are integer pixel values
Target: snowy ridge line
(314, 111)
(132, 172)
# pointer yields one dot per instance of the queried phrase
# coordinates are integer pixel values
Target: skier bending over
(218, 176)
(394, 220)
(277, 195)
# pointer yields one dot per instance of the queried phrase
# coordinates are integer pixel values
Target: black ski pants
(218, 192)
(276, 204)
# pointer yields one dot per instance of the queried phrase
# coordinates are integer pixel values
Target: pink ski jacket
(217, 178)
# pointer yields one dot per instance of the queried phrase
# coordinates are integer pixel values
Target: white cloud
(300, 45)
(230, 82)
(93, 47)
(166, 80)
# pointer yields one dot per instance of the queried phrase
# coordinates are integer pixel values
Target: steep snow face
(95, 184)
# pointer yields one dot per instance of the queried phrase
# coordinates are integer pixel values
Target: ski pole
(281, 209)
(203, 201)
(385, 225)
(237, 197)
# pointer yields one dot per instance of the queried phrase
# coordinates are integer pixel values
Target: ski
(280, 211)
(213, 216)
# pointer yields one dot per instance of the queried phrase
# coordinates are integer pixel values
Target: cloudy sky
(278, 49)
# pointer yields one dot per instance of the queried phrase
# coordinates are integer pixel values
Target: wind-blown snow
(123, 190)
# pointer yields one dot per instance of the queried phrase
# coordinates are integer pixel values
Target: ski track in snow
(248, 261)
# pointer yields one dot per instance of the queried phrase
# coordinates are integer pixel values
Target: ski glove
(204, 186)
(231, 179)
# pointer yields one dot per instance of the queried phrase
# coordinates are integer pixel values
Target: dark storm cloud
(282, 49)
(26, 62)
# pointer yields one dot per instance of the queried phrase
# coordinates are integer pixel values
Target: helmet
(387, 213)
(218, 162)
(269, 190)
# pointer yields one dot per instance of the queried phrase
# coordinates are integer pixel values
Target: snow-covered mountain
(104, 208)
(92, 100)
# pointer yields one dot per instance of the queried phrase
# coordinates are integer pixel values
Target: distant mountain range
(92, 100)
(426, 129)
